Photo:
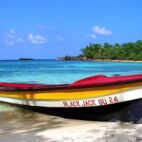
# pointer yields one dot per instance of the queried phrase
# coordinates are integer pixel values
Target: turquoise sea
(56, 72)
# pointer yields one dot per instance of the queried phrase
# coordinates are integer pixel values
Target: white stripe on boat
(99, 101)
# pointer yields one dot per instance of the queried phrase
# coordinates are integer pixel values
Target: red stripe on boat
(97, 80)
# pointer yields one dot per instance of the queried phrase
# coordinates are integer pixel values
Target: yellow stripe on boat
(71, 94)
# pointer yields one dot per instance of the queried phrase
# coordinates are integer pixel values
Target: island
(25, 59)
(130, 51)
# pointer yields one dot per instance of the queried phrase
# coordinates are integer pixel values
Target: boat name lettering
(71, 103)
(91, 102)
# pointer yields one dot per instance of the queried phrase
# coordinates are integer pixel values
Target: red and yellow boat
(88, 92)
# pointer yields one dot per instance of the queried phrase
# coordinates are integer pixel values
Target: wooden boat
(92, 91)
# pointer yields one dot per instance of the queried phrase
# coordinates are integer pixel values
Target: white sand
(78, 131)
(48, 128)
(95, 132)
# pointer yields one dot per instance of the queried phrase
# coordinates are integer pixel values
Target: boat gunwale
(68, 86)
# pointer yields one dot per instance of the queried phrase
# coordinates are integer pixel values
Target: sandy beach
(95, 131)
(67, 130)
(22, 125)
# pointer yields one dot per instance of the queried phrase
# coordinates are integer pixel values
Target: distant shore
(106, 60)
(118, 60)
(25, 59)
(126, 52)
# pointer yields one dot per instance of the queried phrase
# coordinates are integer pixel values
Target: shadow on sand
(126, 112)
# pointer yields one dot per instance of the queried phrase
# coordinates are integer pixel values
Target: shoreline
(107, 60)
(131, 61)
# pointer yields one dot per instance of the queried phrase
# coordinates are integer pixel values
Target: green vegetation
(126, 51)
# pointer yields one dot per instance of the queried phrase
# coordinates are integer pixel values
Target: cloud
(12, 38)
(36, 39)
(101, 31)
(12, 31)
(9, 42)
(93, 36)
(60, 38)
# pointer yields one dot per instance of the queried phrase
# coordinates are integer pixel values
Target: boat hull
(75, 97)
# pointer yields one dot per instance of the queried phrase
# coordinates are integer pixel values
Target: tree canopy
(106, 51)
(126, 51)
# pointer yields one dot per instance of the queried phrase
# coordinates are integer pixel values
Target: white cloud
(12, 38)
(36, 39)
(101, 30)
(93, 36)
(12, 31)
(19, 39)
(60, 38)
(9, 42)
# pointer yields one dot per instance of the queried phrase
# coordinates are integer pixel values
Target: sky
(47, 29)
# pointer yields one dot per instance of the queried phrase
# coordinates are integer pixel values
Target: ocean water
(60, 72)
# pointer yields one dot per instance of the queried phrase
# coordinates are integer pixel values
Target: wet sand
(22, 125)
